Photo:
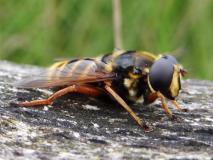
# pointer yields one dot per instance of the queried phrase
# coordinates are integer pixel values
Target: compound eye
(170, 59)
(160, 76)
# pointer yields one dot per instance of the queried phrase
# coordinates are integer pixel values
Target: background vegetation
(38, 31)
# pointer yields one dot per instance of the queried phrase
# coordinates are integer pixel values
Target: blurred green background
(39, 31)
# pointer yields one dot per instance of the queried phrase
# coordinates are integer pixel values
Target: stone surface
(78, 127)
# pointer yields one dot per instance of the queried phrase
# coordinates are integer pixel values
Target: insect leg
(165, 107)
(74, 88)
(174, 102)
(126, 107)
(151, 98)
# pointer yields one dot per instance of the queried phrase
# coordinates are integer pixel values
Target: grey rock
(80, 127)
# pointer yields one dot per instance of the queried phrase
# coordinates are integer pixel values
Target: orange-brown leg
(126, 107)
(74, 88)
(174, 102)
(165, 107)
(152, 97)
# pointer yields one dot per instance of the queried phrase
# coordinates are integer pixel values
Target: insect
(127, 76)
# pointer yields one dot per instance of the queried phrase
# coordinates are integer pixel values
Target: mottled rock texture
(78, 127)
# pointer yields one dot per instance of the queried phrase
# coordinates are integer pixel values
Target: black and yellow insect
(128, 76)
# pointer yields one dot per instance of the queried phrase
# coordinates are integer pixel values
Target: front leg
(174, 102)
(165, 107)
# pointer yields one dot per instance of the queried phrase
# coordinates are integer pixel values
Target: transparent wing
(77, 72)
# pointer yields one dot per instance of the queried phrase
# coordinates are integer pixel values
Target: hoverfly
(127, 76)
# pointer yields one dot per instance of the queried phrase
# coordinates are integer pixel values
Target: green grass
(39, 31)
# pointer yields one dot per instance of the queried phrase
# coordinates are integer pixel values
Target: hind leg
(71, 89)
